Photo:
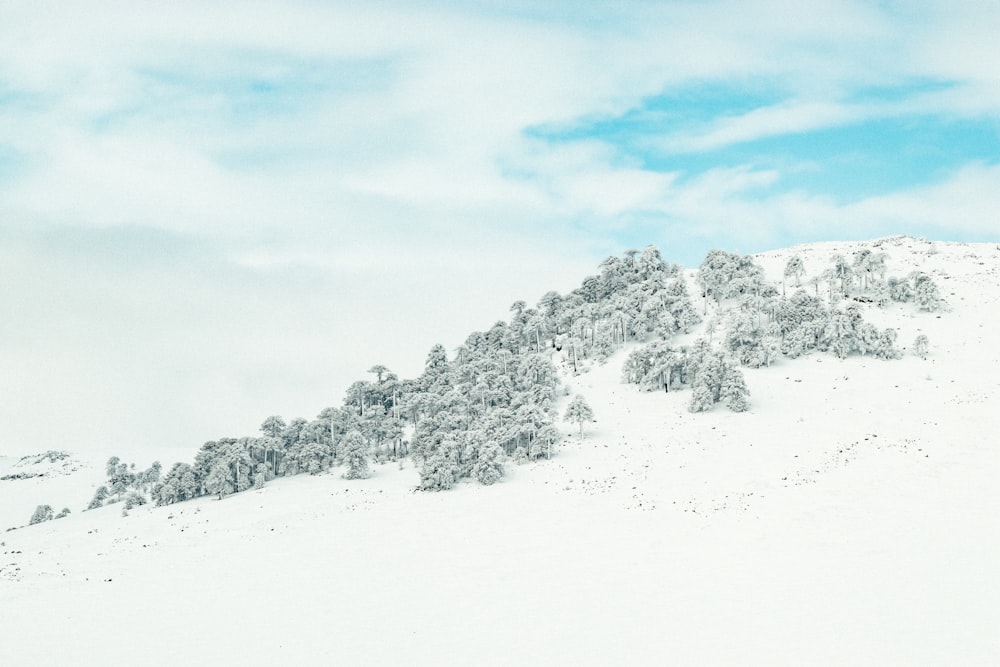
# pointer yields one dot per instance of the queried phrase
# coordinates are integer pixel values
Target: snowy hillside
(849, 517)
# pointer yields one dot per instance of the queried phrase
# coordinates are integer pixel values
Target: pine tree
(885, 345)
(260, 476)
(134, 499)
(219, 480)
(438, 472)
(112, 466)
(795, 268)
(488, 468)
(354, 454)
(883, 294)
(921, 346)
(839, 335)
(152, 475)
(702, 398)
(734, 392)
(842, 273)
(42, 513)
(579, 412)
(925, 292)
(166, 493)
(99, 497)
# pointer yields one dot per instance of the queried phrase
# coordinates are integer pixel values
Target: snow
(850, 517)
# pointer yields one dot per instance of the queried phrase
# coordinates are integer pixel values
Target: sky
(215, 212)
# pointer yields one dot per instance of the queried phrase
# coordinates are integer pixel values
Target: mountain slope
(848, 518)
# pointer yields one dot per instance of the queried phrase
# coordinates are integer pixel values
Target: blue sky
(209, 214)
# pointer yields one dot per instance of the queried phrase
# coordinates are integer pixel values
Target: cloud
(781, 119)
(965, 204)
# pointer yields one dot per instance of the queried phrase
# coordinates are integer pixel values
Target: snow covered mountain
(850, 516)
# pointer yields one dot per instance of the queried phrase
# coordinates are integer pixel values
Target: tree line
(470, 413)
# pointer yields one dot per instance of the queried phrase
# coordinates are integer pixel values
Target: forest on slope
(493, 400)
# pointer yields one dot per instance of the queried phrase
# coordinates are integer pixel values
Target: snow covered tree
(707, 370)
(899, 290)
(273, 426)
(164, 493)
(121, 478)
(488, 468)
(702, 398)
(795, 268)
(722, 275)
(749, 342)
(438, 471)
(354, 454)
(921, 346)
(134, 499)
(42, 513)
(734, 392)
(866, 264)
(151, 475)
(883, 294)
(99, 497)
(653, 367)
(579, 412)
(925, 292)
(841, 272)
(219, 480)
(798, 341)
(885, 344)
(546, 439)
(839, 335)
(312, 457)
(64, 512)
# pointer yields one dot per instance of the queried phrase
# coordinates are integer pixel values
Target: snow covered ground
(850, 518)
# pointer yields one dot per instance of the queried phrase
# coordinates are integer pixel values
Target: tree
(795, 268)
(579, 412)
(708, 370)
(151, 476)
(112, 465)
(839, 335)
(379, 371)
(842, 273)
(64, 512)
(748, 342)
(546, 438)
(885, 344)
(883, 294)
(42, 513)
(99, 497)
(899, 290)
(165, 493)
(925, 292)
(488, 468)
(921, 346)
(438, 472)
(219, 480)
(354, 453)
(734, 392)
(121, 478)
(273, 426)
(134, 499)
(702, 398)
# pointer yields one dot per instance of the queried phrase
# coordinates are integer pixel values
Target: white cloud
(776, 120)
(966, 203)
